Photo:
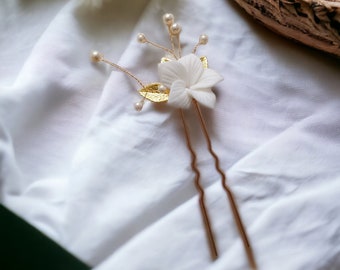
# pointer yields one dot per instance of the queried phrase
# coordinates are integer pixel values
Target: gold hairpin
(185, 81)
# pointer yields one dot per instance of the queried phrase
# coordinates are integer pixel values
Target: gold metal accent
(203, 59)
(165, 59)
(151, 92)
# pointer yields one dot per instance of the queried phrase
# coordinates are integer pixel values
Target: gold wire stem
(175, 42)
(124, 70)
(195, 48)
(179, 47)
(208, 230)
(161, 47)
(171, 39)
(232, 201)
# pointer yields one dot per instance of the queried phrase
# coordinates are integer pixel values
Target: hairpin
(186, 81)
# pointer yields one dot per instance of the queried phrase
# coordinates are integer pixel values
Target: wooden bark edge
(313, 23)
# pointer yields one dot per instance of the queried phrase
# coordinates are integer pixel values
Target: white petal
(208, 79)
(179, 96)
(171, 71)
(194, 68)
(204, 96)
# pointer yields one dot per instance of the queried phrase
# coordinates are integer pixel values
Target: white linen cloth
(115, 187)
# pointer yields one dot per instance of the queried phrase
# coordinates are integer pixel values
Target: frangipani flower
(187, 79)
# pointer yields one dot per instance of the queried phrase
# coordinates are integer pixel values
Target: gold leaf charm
(203, 59)
(155, 92)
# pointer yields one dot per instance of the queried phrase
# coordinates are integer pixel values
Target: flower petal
(171, 71)
(194, 68)
(179, 96)
(208, 79)
(204, 96)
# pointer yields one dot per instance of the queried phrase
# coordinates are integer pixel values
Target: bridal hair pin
(186, 81)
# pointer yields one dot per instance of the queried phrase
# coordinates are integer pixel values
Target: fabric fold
(114, 186)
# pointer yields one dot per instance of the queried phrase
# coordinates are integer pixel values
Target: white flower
(187, 79)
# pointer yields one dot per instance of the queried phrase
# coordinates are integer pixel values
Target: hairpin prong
(204, 212)
(230, 195)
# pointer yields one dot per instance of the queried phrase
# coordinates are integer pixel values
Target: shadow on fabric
(22, 247)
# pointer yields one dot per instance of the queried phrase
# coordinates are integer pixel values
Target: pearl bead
(139, 106)
(161, 88)
(96, 56)
(175, 29)
(141, 38)
(168, 19)
(203, 39)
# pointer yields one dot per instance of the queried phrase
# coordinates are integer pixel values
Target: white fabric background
(114, 186)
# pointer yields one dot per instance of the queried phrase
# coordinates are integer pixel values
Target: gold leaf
(152, 93)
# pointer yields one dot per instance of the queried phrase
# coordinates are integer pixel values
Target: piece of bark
(314, 23)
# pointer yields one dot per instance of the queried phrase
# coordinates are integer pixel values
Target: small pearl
(96, 56)
(168, 19)
(161, 88)
(139, 106)
(141, 38)
(203, 39)
(175, 29)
